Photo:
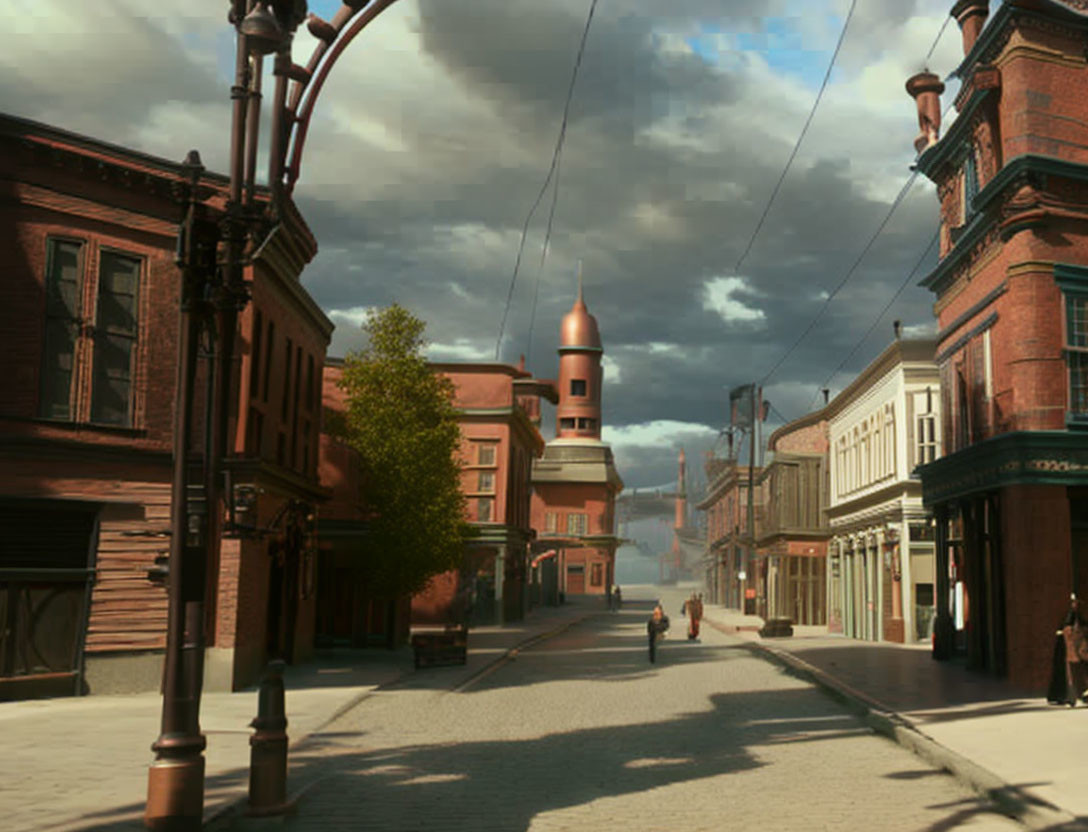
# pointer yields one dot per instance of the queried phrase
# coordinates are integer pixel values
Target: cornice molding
(1018, 458)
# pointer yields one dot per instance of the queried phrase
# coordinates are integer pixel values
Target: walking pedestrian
(1069, 670)
(693, 608)
(618, 598)
(656, 628)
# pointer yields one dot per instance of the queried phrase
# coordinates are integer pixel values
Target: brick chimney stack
(926, 88)
(971, 16)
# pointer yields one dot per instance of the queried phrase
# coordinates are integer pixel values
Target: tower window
(566, 424)
(587, 424)
(577, 386)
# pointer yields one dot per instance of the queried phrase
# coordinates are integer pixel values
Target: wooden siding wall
(128, 612)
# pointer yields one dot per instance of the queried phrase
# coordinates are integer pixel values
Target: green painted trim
(954, 140)
(1071, 278)
(995, 26)
(1026, 164)
(497, 534)
(1018, 458)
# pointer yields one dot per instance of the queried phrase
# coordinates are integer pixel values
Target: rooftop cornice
(1020, 168)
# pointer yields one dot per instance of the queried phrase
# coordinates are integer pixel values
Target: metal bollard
(268, 747)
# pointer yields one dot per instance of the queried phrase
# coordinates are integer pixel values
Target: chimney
(827, 395)
(971, 15)
(898, 327)
(926, 88)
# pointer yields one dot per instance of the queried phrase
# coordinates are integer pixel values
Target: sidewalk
(81, 763)
(1028, 756)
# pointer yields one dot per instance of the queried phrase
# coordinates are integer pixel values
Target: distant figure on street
(1069, 671)
(693, 609)
(617, 598)
(656, 628)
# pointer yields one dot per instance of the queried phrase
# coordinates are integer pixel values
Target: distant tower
(681, 492)
(578, 415)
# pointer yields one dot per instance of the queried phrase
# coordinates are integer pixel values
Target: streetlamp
(213, 291)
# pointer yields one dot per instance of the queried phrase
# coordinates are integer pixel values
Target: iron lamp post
(213, 256)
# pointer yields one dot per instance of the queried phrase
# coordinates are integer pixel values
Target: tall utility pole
(751, 524)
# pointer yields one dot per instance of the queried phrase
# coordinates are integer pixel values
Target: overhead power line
(797, 144)
(543, 256)
(937, 39)
(547, 180)
(880, 315)
(850, 273)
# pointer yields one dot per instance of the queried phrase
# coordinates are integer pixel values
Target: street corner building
(498, 412)
(89, 316)
(1010, 493)
(575, 482)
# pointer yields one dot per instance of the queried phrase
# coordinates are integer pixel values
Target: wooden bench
(446, 646)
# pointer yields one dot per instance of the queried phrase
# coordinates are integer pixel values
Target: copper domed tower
(578, 415)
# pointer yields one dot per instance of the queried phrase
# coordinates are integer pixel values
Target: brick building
(728, 544)
(575, 482)
(347, 613)
(791, 523)
(1011, 494)
(89, 327)
(496, 405)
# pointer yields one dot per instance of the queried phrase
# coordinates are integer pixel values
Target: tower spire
(580, 298)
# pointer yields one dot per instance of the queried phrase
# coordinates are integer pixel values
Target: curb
(1008, 799)
(224, 818)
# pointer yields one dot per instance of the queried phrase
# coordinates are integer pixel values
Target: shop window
(577, 386)
(576, 523)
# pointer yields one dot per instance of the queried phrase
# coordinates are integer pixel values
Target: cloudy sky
(436, 129)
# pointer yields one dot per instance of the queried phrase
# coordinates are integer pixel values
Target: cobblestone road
(582, 733)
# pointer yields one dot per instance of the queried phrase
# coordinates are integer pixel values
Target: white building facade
(880, 565)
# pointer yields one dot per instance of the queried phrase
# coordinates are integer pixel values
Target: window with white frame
(485, 453)
(576, 523)
(1076, 353)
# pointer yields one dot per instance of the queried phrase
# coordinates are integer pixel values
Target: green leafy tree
(401, 419)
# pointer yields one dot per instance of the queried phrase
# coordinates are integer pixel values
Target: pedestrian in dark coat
(656, 628)
(1069, 667)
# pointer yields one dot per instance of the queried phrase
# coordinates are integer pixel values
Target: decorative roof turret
(579, 329)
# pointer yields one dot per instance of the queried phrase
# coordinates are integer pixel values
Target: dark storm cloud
(646, 282)
(434, 135)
